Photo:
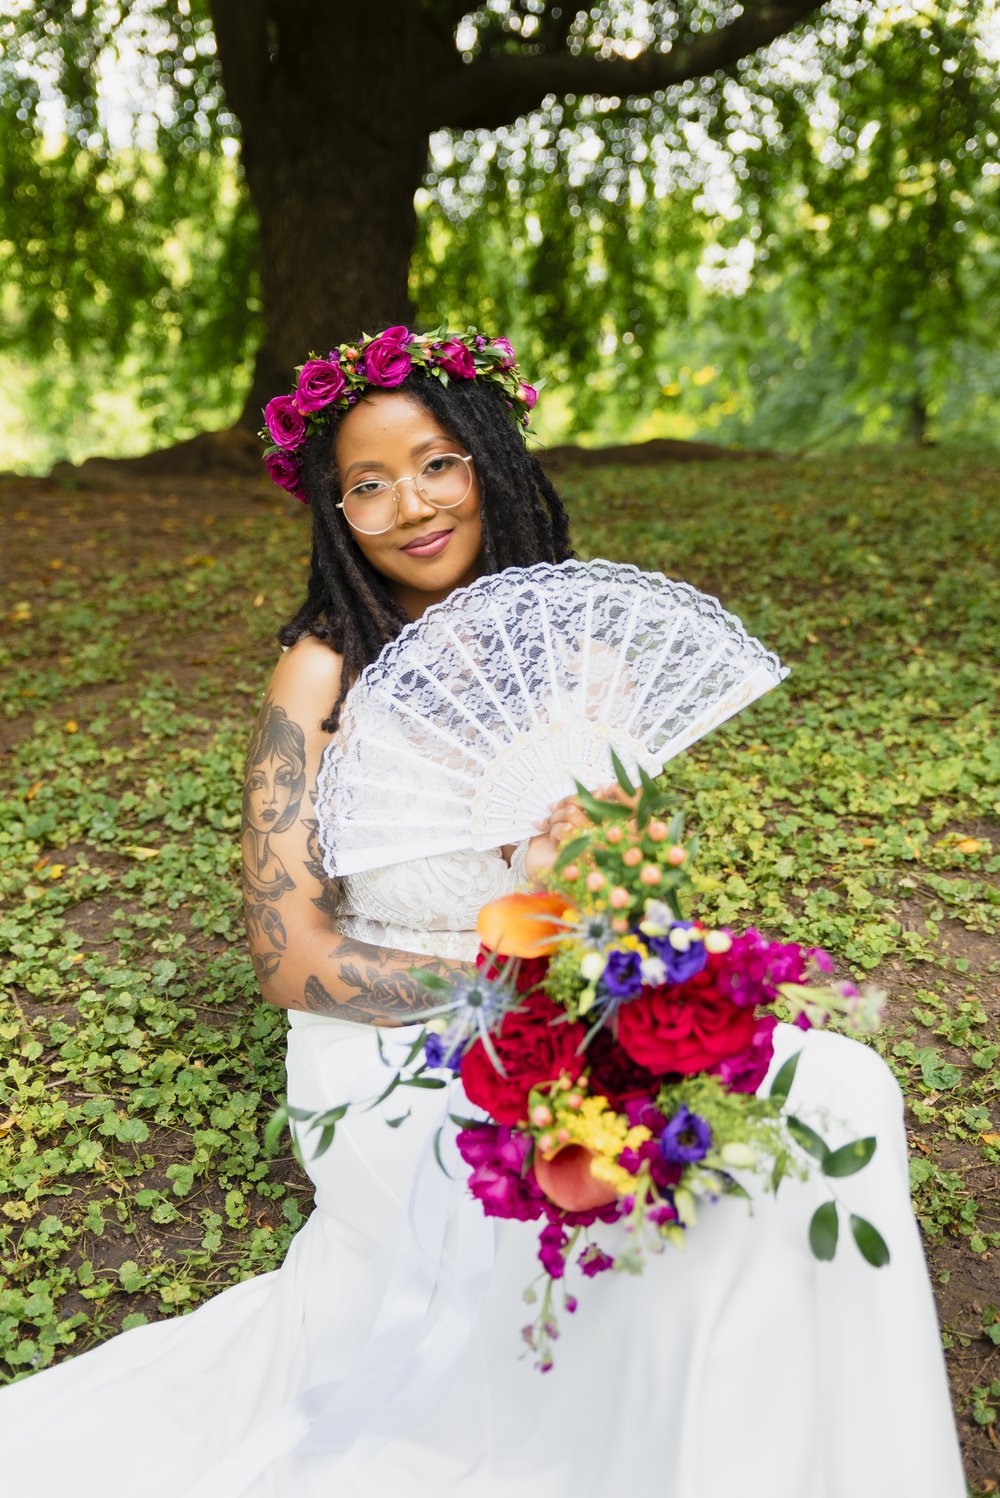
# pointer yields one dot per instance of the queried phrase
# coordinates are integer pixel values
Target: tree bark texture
(336, 101)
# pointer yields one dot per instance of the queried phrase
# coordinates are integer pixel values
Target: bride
(382, 1358)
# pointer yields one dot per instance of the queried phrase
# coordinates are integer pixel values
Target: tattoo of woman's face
(269, 792)
(276, 772)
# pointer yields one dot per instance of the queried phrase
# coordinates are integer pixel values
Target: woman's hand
(564, 820)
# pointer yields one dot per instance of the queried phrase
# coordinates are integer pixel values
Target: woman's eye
(368, 488)
(439, 465)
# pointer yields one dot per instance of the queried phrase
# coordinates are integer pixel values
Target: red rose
(613, 1073)
(533, 1051)
(687, 1028)
(530, 970)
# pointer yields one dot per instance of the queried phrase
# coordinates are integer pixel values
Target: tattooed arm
(289, 902)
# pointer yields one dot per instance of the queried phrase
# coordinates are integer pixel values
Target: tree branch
(499, 90)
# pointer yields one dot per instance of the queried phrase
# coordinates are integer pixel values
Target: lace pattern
(427, 905)
(487, 708)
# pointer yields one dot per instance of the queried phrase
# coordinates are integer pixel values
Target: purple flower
(529, 396)
(745, 1071)
(321, 381)
(663, 1212)
(436, 1057)
(387, 362)
(456, 360)
(284, 471)
(681, 966)
(686, 1138)
(622, 977)
(284, 421)
(594, 1260)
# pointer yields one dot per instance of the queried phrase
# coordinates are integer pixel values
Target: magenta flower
(283, 470)
(552, 1240)
(387, 360)
(497, 1155)
(456, 360)
(509, 358)
(594, 1260)
(529, 396)
(321, 382)
(284, 421)
(745, 1071)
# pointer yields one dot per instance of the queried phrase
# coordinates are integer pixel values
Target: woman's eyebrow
(415, 452)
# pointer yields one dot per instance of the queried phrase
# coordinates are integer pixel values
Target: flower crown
(337, 381)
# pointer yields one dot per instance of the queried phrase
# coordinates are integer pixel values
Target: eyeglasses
(444, 481)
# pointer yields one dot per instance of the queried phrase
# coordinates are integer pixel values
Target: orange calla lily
(567, 1181)
(521, 925)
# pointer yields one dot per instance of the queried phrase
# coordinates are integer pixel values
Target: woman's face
(428, 552)
(269, 790)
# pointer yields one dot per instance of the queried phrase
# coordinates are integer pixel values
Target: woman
(382, 1358)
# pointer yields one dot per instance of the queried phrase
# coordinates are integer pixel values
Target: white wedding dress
(384, 1358)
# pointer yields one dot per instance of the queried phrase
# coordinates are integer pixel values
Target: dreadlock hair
(348, 604)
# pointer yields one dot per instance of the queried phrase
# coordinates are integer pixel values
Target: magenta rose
(509, 357)
(684, 1029)
(529, 396)
(745, 1071)
(320, 382)
(455, 359)
(283, 470)
(532, 1049)
(387, 360)
(284, 421)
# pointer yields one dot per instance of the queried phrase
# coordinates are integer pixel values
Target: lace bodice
(427, 905)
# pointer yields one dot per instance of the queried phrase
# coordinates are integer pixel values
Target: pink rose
(284, 421)
(509, 357)
(284, 471)
(455, 359)
(387, 362)
(529, 395)
(320, 382)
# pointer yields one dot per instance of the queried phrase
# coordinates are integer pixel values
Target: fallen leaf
(968, 845)
(33, 790)
(143, 852)
(72, 726)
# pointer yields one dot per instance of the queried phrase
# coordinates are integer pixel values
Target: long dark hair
(348, 604)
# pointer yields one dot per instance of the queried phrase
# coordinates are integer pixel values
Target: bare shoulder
(306, 680)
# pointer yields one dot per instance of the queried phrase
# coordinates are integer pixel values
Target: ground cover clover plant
(855, 810)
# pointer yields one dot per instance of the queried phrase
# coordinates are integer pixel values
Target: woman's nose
(411, 505)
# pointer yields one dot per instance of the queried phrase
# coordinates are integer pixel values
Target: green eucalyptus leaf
(849, 1158)
(782, 1084)
(808, 1138)
(870, 1241)
(824, 1230)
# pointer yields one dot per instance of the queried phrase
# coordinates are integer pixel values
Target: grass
(853, 808)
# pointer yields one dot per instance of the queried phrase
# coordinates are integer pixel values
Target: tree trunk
(334, 137)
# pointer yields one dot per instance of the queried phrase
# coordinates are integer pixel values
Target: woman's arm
(289, 902)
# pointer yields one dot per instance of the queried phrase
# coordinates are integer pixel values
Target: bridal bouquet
(615, 1050)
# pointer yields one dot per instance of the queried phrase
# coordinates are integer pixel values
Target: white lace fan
(486, 709)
